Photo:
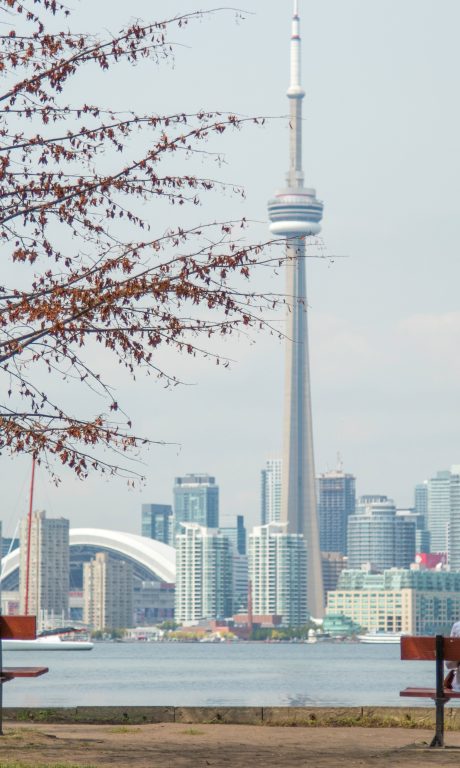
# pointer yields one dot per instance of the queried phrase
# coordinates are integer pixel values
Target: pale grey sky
(381, 146)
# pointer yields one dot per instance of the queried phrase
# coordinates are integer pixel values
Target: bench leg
(438, 738)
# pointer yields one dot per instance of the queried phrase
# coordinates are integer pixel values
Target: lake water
(206, 674)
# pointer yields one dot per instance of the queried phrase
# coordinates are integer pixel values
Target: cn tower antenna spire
(296, 95)
(295, 214)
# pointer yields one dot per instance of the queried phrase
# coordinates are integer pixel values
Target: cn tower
(295, 214)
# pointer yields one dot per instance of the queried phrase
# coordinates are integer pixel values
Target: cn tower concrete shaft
(295, 213)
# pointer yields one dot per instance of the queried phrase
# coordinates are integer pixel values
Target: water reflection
(297, 700)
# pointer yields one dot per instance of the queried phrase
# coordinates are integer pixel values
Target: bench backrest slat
(18, 628)
(424, 648)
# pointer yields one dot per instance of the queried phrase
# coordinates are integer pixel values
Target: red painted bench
(16, 628)
(438, 649)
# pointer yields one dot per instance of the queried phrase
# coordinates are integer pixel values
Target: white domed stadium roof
(156, 557)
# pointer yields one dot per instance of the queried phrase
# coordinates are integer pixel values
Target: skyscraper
(336, 502)
(204, 578)
(241, 537)
(454, 519)
(278, 573)
(107, 593)
(441, 513)
(377, 536)
(405, 540)
(422, 535)
(157, 522)
(44, 575)
(421, 498)
(295, 213)
(270, 492)
(236, 534)
(196, 500)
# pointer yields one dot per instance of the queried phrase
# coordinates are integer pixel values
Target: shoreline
(306, 717)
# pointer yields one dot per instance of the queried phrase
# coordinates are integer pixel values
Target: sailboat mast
(29, 535)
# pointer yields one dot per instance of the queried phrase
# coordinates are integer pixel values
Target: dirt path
(221, 746)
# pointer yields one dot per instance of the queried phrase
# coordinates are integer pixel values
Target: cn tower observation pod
(295, 213)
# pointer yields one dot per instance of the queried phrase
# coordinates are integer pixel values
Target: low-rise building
(338, 625)
(418, 602)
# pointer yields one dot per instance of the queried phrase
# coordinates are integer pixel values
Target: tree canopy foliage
(83, 265)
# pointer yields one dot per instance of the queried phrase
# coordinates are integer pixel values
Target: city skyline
(385, 321)
(252, 518)
(381, 539)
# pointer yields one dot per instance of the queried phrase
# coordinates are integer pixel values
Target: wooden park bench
(438, 649)
(16, 628)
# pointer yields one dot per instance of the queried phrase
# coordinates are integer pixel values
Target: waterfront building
(107, 593)
(44, 568)
(196, 500)
(236, 534)
(378, 537)
(295, 214)
(338, 625)
(270, 492)
(278, 573)
(443, 509)
(157, 522)
(336, 502)
(417, 602)
(204, 574)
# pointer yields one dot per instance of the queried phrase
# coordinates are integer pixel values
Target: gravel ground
(220, 746)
